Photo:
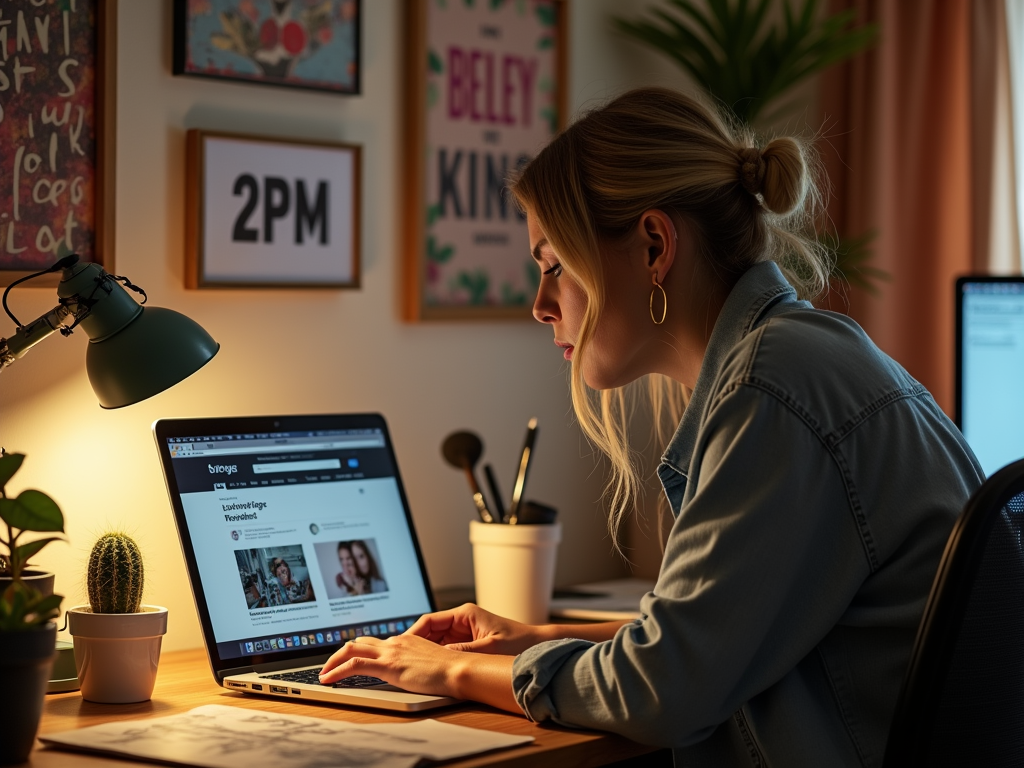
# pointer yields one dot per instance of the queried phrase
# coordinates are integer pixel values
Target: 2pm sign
(271, 213)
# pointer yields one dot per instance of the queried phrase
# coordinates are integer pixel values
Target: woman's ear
(660, 240)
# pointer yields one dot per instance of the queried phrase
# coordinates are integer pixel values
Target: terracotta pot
(117, 654)
(25, 661)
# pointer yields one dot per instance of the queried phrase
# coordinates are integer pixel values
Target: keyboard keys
(312, 676)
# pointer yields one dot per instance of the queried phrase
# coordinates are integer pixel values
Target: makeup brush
(524, 464)
(462, 450)
(492, 483)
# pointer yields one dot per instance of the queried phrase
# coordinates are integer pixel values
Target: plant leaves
(745, 56)
(9, 464)
(32, 511)
(25, 551)
(547, 15)
(434, 63)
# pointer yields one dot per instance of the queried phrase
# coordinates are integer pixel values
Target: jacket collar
(758, 290)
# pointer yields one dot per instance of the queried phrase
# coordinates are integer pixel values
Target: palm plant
(749, 58)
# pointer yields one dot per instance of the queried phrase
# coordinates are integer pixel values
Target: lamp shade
(154, 351)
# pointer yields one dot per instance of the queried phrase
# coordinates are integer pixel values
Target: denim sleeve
(760, 564)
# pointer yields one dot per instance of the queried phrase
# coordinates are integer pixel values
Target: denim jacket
(814, 484)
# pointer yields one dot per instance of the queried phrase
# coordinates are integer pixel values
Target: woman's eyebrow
(537, 247)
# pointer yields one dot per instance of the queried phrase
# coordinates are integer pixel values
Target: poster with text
(491, 83)
(51, 123)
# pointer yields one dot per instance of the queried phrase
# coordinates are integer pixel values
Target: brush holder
(514, 568)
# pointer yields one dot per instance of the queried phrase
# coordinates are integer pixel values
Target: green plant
(748, 58)
(21, 607)
(737, 52)
(115, 574)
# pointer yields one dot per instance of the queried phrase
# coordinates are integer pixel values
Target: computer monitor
(990, 368)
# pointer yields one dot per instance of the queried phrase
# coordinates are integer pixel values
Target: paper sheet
(601, 600)
(216, 736)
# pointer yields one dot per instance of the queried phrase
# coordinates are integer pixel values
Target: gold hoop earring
(664, 302)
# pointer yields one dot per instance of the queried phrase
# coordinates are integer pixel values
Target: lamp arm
(28, 336)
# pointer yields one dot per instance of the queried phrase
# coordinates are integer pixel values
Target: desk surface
(184, 681)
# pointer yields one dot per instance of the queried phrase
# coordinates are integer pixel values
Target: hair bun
(752, 169)
(784, 184)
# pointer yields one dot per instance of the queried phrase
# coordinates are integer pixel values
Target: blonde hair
(654, 148)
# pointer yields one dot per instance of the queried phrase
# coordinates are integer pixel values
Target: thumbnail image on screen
(351, 567)
(274, 576)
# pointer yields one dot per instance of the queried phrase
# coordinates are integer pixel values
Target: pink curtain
(897, 124)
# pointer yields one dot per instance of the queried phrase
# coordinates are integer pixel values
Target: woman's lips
(566, 349)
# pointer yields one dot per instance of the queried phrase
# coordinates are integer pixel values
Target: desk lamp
(134, 352)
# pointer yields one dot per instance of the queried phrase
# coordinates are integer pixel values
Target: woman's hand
(471, 628)
(409, 662)
(420, 666)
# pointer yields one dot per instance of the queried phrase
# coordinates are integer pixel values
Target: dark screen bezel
(958, 386)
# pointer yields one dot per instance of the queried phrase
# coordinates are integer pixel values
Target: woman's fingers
(471, 628)
(443, 627)
(408, 661)
(341, 662)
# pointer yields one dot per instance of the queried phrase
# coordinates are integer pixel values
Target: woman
(290, 590)
(349, 579)
(813, 482)
(366, 565)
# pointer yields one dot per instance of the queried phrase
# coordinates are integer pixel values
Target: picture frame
(485, 90)
(267, 212)
(313, 46)
(58, 138)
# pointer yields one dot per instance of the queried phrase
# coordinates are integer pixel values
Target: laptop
(990, 367)
(297, 537)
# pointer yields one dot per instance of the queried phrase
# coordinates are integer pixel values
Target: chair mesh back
(980, 719)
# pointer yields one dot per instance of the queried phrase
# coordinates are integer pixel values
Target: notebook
(297, 537)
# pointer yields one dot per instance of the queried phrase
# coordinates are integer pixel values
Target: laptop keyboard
(311, 676)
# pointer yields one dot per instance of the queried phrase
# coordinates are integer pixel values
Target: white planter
(117, 654)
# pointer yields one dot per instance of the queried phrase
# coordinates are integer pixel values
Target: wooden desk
(184, 681)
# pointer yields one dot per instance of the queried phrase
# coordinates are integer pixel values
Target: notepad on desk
(618, 599)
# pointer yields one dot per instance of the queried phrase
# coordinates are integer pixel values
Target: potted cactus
(27, 610)
(117, 638)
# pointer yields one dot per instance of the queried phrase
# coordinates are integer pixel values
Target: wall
(302, 351)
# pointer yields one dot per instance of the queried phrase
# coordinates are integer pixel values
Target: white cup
(514, 568)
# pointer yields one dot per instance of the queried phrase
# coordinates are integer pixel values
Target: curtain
(1008, 29)
(897, 146)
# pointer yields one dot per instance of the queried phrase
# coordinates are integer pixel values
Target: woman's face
(348, 565)
(613, 358)
(362, 561)
(283, 572)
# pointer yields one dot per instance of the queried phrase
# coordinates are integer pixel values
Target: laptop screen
(990, 368)
(295, 530)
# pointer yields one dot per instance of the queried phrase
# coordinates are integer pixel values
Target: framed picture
(265, 212)
(485, 90)
(57, 121)
(298, 43)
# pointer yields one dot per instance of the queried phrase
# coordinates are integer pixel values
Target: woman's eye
(555, 270)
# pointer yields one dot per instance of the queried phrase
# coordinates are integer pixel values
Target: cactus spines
(115, 575)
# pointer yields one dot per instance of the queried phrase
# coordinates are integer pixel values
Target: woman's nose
(545, 308)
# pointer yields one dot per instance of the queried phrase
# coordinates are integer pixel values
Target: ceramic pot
(40, 581)
(25, 661)
(117, 654)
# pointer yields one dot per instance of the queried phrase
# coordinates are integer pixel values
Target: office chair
(962, 701)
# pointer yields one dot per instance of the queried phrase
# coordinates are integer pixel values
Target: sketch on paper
(215, 736)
